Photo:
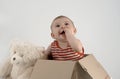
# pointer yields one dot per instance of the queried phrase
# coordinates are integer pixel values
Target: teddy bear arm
(26, 74)
(6, 69)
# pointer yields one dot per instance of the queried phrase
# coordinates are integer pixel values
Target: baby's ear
(75, 30)
(52, 35)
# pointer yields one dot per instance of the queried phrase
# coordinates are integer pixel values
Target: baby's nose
(62, 27)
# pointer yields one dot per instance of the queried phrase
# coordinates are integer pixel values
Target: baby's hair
(62, 16)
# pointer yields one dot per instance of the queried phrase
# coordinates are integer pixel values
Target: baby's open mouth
(62, 32)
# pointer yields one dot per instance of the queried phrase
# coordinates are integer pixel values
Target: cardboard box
(86, 68)
(93, 67)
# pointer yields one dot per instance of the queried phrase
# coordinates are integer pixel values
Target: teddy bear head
(25, 53)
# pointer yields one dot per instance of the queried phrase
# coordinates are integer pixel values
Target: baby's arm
(73, 41)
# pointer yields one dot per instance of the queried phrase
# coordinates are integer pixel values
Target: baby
(65, 46)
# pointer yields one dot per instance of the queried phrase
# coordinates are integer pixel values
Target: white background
(97, 23)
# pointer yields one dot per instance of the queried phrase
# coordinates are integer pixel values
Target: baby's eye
(66, 23)
(57, 25)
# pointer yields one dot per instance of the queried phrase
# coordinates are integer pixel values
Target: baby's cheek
(67, 29)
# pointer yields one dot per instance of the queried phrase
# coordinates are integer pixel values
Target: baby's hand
(68, 30)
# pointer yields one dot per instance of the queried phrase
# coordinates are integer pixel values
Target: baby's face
(58, 28)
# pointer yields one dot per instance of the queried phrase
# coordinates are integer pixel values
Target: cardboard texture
(93, 67)
(86, 68)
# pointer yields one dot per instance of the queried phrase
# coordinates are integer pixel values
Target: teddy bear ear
(41, 51)
(42, 48)
(13, 44)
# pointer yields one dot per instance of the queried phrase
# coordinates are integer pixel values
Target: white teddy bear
(23, 56)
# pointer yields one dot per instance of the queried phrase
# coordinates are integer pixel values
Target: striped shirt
(65, 54)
